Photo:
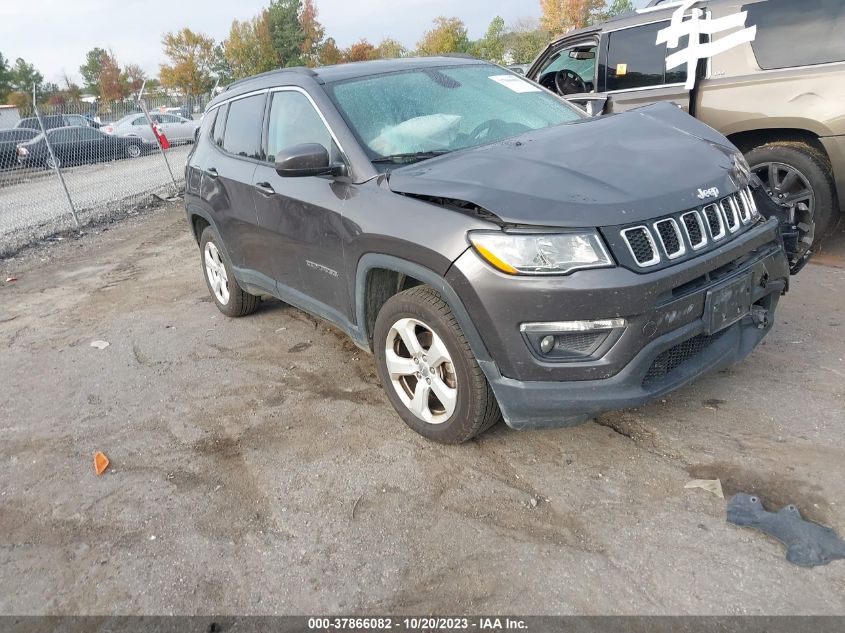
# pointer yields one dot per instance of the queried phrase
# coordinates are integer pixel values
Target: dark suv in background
(501, 253)
(780, 98)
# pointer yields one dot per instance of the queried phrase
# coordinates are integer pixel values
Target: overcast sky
(55, 34)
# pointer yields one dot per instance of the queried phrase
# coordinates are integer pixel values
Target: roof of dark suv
(342, 72)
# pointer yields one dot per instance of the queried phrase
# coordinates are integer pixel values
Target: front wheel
(428, 370)
(797, 177)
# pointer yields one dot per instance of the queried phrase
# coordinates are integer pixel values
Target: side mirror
(308, 159)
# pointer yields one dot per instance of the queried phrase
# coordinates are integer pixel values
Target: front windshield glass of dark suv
(405, 116)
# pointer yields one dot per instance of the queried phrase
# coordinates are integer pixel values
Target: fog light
(572, 340)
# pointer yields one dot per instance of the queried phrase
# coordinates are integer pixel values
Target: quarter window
(243, 127)
(294, 121)
(793, 33)
(634, 60)
(219, 125)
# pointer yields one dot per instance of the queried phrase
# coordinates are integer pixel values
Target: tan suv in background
(780, 98)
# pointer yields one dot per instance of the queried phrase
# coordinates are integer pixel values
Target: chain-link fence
(91, 164)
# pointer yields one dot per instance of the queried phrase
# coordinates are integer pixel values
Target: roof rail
(302, 70)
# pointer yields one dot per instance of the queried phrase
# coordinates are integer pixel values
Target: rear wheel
(798, 177)
(229, 297)
(429, 371)
(133, 151)
(52, 163)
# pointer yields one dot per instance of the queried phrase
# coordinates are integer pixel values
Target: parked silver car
(177, 129)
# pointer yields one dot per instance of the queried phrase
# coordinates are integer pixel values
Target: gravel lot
(33, 204)
(257, 468)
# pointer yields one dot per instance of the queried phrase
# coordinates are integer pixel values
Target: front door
(634, 69)
(300, 218)
(570, 71)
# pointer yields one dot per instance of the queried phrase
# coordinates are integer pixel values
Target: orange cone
(101, 462)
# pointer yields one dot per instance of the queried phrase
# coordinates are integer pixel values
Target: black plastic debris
(807, 543)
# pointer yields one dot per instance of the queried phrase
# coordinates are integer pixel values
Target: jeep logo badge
(713, 192)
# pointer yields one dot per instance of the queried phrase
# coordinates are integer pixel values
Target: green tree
(329, 54)
(92, 69)
(24, 75)
(618, 7)
(5, 79)
(312, 32)
(249, 48)
(222, 69)
(191, 58)
(286, 32)
(390, 48)
(524, 41)
(492, 46)
(449, 35)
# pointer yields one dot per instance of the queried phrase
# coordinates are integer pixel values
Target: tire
(133, 151)
(229, 297)
(813, 166)
(49, 163)
(422, 313)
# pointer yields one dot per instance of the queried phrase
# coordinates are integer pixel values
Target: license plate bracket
(727, 304)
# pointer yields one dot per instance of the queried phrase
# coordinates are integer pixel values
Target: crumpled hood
(617, 169)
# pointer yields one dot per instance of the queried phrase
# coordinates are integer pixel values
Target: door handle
(212, 172)
(265, 188)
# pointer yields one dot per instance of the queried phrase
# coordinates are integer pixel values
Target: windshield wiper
(410, 157)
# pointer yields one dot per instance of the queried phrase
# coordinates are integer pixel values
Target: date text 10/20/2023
(416, 624)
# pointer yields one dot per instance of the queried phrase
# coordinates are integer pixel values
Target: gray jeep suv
(501, 253)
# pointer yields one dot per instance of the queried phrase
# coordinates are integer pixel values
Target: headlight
(741, 168)
(541, 253)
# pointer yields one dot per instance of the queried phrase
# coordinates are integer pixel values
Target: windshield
(413, 115)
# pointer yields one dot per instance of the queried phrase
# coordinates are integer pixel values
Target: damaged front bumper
(677, 327)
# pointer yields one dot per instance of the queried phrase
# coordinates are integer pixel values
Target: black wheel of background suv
(230, 298)
(794, 173)
(428, 371)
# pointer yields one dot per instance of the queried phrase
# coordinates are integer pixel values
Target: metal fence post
(155, 136)
(57, 167)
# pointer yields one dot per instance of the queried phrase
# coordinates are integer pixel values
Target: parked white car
(177, 129)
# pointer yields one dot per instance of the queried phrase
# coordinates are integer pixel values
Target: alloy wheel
(53, 163)
(788, 187)
(421, 370)
(216, 271)
(133, 151)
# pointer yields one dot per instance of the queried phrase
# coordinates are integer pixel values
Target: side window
(813, 29)
(243, 127)
(169, 118)
(634, 60)
(208, 121)
(141, 120)
(219, 125)
(293, 121)
(60, 136)
(580, 59)
(88, 134)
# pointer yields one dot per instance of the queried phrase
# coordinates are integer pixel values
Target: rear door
(300, 218)
(232, 166)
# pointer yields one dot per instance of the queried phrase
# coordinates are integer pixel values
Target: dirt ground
(258, 469)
